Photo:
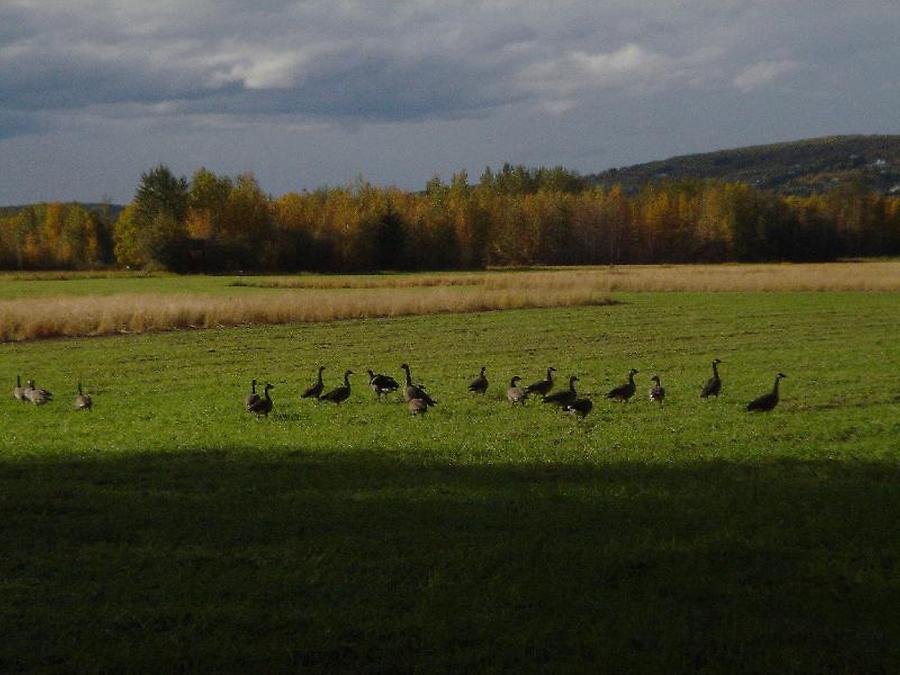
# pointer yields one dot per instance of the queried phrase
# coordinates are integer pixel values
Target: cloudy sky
(307, 93)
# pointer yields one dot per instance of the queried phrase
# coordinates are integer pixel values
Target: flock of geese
(31, 394)
(418, 400)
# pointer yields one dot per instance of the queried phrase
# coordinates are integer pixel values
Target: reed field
(68, 305)
(170, 530)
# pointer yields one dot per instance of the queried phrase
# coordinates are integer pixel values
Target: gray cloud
(75, 66)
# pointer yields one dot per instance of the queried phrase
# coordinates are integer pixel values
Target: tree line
(514, 216)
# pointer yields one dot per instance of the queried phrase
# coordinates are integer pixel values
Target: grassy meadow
(169, 530)
(66, 304)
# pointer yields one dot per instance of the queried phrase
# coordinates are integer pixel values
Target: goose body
(37, 396)
(766, 402)
(19, 390)
(382, 384)
(252, 397)
(565, 397)
(657, 392)
(263, 404)
(544, 386)
(580, 407)
(417, 406)
(479, 384)
(83, 401)
(515, 393)
(415, 391)
(340, 393)
(624, 391)
(315, 390)
(714, 384)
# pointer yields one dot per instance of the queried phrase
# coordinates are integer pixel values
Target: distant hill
(799, 167)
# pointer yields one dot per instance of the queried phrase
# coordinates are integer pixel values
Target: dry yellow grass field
(131, 313)
(324, 298)
(848, 276)
(844, 276)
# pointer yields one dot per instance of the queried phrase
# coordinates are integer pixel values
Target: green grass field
(169, 530)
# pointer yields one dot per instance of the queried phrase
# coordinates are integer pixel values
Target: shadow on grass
(371, 560)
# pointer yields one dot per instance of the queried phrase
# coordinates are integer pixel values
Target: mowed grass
(169, 530)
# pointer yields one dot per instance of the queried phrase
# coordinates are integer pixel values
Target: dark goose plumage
(563, 398)
(479, 384)
(624, 391)
(264, 404)
(316, 389)
(382, 384)
(714, 384)
(580, 407)
(544, 386)
(340, 393)
(766, 402)
(414, 391)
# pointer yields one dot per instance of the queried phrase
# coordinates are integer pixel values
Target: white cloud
(632, 68)
(760, 74)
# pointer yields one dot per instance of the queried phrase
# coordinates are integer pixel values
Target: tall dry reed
(850, 276)
(130, 313)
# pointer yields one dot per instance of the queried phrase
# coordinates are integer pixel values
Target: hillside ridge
(800, 167)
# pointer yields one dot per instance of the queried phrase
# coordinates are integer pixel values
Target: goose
(263, 405)
(565, 397)
(382, 384)
(515, 393)
(83, 401)
(37, 396)
(542, 386)
(19, 390)
(624, 391)
(766, 402)
(413, 391)
(657, 392)
(340, 393)
(479, 384)
(714, 384)
(580, 407)
(315, 390)
(252, 397)
(417, 406)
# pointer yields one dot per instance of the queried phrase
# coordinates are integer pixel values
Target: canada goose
(580, 407)
(413, 391)
(340, 393)
(37, 396)
(19, 390)
(252, 397)
(565, 397)
(714, 384)
(657, 392)
(542, 386)
(417, 406)
(766, 402)
(479, 384)
(263, 405)
(624, 391)
(515, 393)
(382, 384)
(315, 390)
(83, 401)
